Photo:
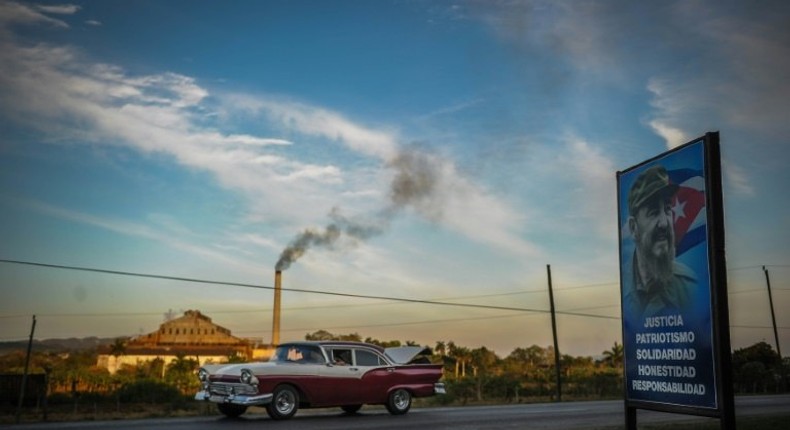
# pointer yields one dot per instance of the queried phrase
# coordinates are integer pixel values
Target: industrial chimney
(276, 314)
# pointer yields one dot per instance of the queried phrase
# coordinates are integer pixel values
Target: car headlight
(247, 377)
(203, 375)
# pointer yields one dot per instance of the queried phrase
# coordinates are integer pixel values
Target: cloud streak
(16, 13)
(61, 93)
(169, 233)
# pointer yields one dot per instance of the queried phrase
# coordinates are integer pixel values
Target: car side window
(341, 357)
(304, 355)
(313, 356)
(367, 358)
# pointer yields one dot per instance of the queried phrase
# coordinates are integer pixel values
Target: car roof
(335, 343)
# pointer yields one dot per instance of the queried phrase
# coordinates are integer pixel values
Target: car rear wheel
(230, 410)
(399, 402)
(351, 409)
(284, 404)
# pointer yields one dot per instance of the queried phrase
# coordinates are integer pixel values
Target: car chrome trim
(235, 399)
(228, 388)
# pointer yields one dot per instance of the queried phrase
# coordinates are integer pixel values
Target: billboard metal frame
(724, 408)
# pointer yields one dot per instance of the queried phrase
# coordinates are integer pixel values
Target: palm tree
(118, 347)
(441, 348)
(614, 356)
(463, 356)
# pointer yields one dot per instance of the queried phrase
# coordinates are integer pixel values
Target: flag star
(678, 209)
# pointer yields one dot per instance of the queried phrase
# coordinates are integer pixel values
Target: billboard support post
(721, 312)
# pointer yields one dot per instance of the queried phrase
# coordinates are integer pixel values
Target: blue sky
(198, 139)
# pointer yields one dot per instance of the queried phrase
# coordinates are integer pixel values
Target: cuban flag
(688, 209)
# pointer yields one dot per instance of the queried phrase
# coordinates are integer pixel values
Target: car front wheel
(399, 402)
(284, 404)
(230, 410)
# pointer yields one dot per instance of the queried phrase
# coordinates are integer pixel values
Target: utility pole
(554, 334)
(773, 320)
(24, 376)
(773, 316)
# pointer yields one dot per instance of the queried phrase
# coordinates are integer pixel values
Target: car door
(375, 377)
(339, 379)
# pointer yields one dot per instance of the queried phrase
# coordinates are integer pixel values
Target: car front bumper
(236, 399)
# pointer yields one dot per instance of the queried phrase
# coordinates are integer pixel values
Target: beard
(657, 262)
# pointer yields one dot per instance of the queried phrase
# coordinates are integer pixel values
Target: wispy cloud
(595, 184)
(452, 109)
(737, 84)
(59, 9)
(57, 91)
(170, 233)
(323, 123)
(60, 92)
(737, 179)
(13, 12)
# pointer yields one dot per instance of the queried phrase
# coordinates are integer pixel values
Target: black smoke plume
(414, 184)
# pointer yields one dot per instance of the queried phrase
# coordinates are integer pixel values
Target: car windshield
(298, 354)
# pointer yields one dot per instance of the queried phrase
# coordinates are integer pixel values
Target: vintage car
(323, 374)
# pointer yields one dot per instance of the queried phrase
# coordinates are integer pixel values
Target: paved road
(568, 415)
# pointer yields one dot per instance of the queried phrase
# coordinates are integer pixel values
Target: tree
(483, 362)
(461, 356)
(383, 343)
(181, 373)
(325, 335)
(320, 335)
(441, 348)
(118, 347)
(756, 367)
(614, 357)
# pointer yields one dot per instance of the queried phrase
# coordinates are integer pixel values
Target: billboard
(671, 278)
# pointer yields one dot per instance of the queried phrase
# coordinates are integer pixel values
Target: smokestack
(276, 314)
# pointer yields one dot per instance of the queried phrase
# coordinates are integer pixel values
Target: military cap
(649, 184)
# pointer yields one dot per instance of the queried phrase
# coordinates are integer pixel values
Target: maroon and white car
(323, 374)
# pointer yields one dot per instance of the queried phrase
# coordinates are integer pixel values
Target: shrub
(149, 391)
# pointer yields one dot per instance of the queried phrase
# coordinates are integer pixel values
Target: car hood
(235, 369)
(404, 354)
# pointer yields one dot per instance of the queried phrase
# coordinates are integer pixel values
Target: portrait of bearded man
(654, 282)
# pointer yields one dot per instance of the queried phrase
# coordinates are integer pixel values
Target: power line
(252, 311)
(579, 287)
(295, 290)
(753, 290)
(411, 323)
(330, 293)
